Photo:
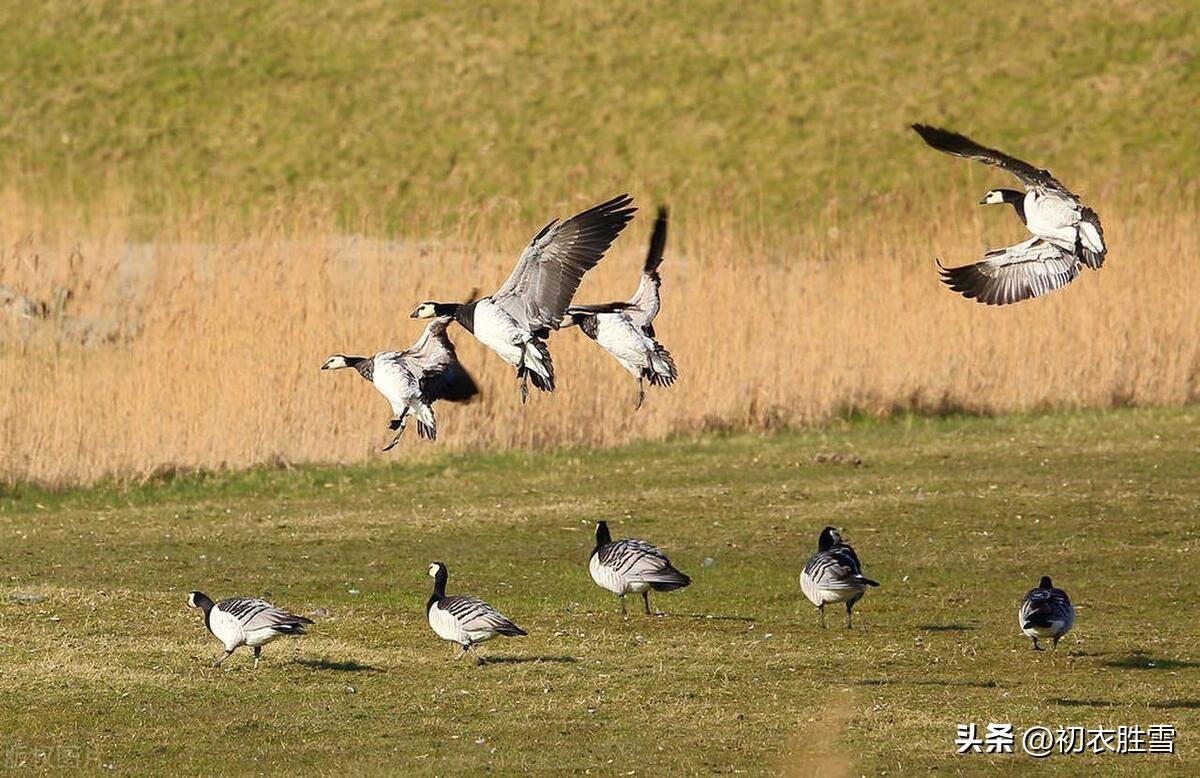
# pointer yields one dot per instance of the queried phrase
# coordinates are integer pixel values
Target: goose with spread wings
(515, 321)
(626, 330)
(413, 379)
(1067, 235)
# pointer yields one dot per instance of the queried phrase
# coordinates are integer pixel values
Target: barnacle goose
(515, 321)
(245, 621)
(630, 565)
(1066, 234)
(833, 574)
(464, 621)
(413, 379)
(1046, 612)
(626, 330)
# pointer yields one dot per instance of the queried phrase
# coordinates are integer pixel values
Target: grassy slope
(416, 107)
(956, 518)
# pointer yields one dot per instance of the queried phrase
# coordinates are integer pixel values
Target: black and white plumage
(515, 321)
(626, 330)
(464, 621)
(1046, 612)
(413, 379)
(834, 574)
(1066, 234)
(246, 621)
(631, 565)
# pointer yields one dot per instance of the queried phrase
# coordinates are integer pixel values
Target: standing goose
(1066, 234)
(1046, 612)
(413, 379)
(515, 321)
(833, 574)
(464, 621)
(626, 330)
(245, 621)
(630, 565)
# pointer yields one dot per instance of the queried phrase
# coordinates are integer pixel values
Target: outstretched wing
(644, 304)
(549, 271)
(962, 146)
(1031, 268)
(433, 360)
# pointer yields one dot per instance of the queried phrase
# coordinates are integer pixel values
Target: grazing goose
(833, 574)
(626, 330)
(245, 621)
(464, 621)
(515, 321)
(1066, 234)
(413, 379)
(1046, 612)
(629, 565)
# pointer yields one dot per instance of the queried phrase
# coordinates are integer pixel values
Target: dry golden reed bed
(218, 331)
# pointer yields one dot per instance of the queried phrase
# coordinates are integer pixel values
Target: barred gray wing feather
(962, 146)
(1029, 269)
(646, 301)
(433, 360)
(548, 273)
(638, 561)
(837, 568)
(254, 614)
(475, 615)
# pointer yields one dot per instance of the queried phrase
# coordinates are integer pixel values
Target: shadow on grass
(1170, 704)
(711, 617)
(342, 667)
(945, 627)
(931, 682)
(1083, 703)
(528, 660)
(1140, 660)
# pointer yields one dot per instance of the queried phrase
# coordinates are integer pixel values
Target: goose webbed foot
(1036, 647)
(257, 654)
(646, 602)
(641, 395)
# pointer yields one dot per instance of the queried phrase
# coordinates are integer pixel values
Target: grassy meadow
(956, 518)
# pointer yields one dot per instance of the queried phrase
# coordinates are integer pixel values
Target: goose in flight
(626, 330)
(1046, 612)
(516, 320)
(464, 621)
(834, 574)
(413, 379)
(1066, 234)
(245, 621)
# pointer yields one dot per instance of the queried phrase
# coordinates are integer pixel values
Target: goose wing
(962, 146)
(254, 614)
(475, 615)
(548, 273)
(433, 360)
(637, 560)
(1031, 268)
(644, 304)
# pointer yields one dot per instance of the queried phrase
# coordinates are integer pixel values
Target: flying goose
(245, 621)
(630, 565)
(413, 379)
(626, 330)
(833, 574)
(1066, 234)
(464, 621)
(515, 320)
(1046, 612)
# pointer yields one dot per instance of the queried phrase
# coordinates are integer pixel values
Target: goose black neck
(202, 601)
(1045, 583)
(827, 540)
(1016, 200)
(439, 582)
(603, 537)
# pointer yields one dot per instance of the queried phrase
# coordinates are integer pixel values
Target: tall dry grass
(212, 333)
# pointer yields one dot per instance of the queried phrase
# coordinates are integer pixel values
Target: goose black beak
(415, 312)
(983, 201)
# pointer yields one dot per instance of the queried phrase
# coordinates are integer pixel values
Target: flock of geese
(516, 321)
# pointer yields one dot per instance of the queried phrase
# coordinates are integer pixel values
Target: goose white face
(335, 362)
(192, 600)
(835, 534)
(993, 197)
(433, 570)
(424, 311)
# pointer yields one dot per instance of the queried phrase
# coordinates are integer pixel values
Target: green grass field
(411, 111)
(956, 517)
